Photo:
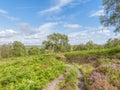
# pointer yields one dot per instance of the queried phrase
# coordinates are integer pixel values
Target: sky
(31, 21)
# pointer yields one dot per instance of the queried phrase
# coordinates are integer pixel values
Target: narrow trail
(52, 85)
(81, 85)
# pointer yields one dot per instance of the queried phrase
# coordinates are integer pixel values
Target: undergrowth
(29, 73)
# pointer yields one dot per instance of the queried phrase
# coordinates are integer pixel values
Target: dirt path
(52, 85)
(80, 81)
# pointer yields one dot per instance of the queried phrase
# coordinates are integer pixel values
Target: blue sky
(30, 21)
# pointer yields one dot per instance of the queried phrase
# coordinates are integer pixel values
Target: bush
(6, 51)
(34, 51)
(91, 55)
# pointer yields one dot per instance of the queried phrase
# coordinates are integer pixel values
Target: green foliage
(57, 43)
(11, 50)
(101, 61)
(90, 45)
(34, 51)
(112, 43)
(29, 73)
(6, 51)
(71, 80)
(18, 49)
(112, 14)
(79, 47)
(85, 56)
(100, 67)
(86, 70)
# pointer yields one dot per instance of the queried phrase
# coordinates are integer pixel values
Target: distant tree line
(55, 43)
(17, 49)
(91, 45)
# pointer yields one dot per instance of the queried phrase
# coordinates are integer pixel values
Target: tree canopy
(112, 14)
(5, 51)
(34, 51)
(57, 42)
(18, 49)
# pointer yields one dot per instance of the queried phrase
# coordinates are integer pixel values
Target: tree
(6, 51)
(112, 43)
(57, 42)
(79, 47)
(34, 51)
(112, 14)
(90, 45)
(18, 49)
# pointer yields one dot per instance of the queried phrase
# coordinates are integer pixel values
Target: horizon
(31, 21)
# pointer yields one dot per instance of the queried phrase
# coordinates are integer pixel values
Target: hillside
(30, 72)
(83, 70)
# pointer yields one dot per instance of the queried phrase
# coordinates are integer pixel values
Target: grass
(86, 70)
(30, 72)
(71, 80)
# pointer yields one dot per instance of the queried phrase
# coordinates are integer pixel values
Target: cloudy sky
(30, 21)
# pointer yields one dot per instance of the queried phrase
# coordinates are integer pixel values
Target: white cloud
(12, 18)
(40, 34)
(96, 34)
(47, 26)
(78, 35)
(90, 28)
(78, 2)
(98, 13)
(3, 11)
(60, 4)
(26, 29)
(104, 30)
(36, 33)
(27, 34)
(77, 38)
(72, 26)
(7, 33)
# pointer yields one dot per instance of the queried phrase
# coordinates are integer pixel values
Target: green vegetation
(89, 55)
(86, 71)
(71, 80)
(99, 64)
(100, 68)
(106, 75)
(29, 73)
(112, 14)
(34, 51)
(5, 51)
(57, 43)
(14, 49)
(18, 49)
